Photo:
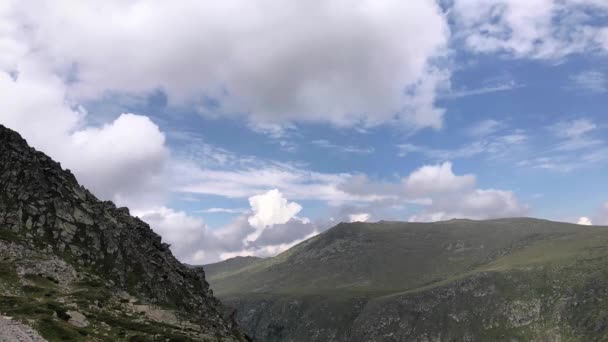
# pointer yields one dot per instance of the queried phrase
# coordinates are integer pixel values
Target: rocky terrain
(77, 268)
(459, 280)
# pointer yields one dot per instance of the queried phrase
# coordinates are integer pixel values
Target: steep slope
(509, 279)
(230, 266)
(76, 266)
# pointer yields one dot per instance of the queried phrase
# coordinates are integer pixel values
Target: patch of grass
(8, 273)
(59, 310)
(141, 330)
(90, 283)
(9, 235)
(32, 290)
(54, 330)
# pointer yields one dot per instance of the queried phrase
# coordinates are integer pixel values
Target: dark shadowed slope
(506, 279)
(80, 268)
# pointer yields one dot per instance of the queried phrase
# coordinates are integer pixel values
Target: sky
(244, 127)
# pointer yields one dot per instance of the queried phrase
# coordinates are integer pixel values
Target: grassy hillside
(389, 281)
(226, 267)
(389, 257)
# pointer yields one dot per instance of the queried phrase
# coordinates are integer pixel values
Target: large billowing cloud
(270, 228)
(343, 62)
(271, 208)
(122, 160)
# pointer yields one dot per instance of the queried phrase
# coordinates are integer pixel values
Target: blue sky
(244, 128)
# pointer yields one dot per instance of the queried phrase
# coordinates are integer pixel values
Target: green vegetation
(509, 279)
(390, 257)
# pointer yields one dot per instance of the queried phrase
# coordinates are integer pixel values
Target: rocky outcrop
(43, 208)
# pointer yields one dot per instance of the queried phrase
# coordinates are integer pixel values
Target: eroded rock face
(45, 208)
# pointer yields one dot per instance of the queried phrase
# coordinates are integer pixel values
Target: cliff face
(79, 240)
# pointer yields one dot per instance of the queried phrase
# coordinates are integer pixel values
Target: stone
(77, 319)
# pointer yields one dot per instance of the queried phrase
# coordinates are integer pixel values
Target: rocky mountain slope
(459, 280)
(76, 268)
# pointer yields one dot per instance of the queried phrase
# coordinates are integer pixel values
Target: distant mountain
(226, 267)
(77, 268)
(517, 279)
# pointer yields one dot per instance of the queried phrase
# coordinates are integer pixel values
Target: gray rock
(77, 319)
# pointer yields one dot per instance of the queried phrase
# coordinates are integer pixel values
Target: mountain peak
(46, 211)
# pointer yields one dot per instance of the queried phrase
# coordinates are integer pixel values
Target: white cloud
(487, 89)
(361, 217)
(185, 233)
(575, 135)
(269, 209)
(585, 221)
(591, 80)
(122, 160)
(433, 179)
(574, 128)
(224, 211)
(271, 227)
(254, 176)
(456, 196)
(543, 29)
(493, 146)
(342, 148)
(275, 62)
(485, 127)
(477, 204)
(441, 194)
(575, 147)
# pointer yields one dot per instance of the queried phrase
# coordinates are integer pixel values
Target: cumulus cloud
(361, 217)
(441, 194)
(456, 196)
(585, 221)
(475, 204)
(340, 62)
(271, 208)
(185, 233)
(432, 179)
(269, 228)
(122, 160)
(542, 29)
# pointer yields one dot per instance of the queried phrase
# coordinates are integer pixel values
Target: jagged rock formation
(460, 280)
(63, 249)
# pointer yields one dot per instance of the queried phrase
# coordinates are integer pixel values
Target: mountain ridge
(53, 228)
(517, 279)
